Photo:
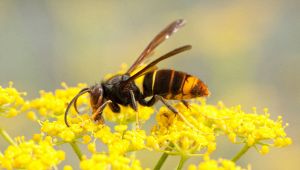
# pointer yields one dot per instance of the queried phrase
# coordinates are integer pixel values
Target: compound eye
(96, 96)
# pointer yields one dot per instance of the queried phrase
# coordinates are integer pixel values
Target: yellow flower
(54, 104)
(264, 149)
(67, 135)
(221, 164)
(184, 139)
(232, 137)
(86, 139)
(11, 101)
(121, 141)
(127, 115)
(37, 137)
(31, 115)
(121, 128)
(192, 132)
(104, 161)
(80, 126)
(31, 155)
(240, 126)
(68, 167)
(92, 147)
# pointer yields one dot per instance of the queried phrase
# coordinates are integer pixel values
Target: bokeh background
(246, 51)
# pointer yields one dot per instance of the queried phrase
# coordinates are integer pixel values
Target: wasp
(157, 85)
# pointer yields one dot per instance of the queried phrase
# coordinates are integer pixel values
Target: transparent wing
(158, 39)
(152, 65)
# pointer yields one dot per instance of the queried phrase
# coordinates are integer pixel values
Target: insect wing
(152, 66)
(158, 39)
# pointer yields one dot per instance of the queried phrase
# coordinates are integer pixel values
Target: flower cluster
(104, 161)
(50, 105)
(241, 127)
(191, 132)
(128, 114)
(33, 154)
(184, 138)
(122, 140)
(11, 101)
(80, 125)
(221, 164)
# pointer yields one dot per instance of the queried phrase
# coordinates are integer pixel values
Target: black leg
(97, 115)
(151, 102)
(133, 101)
(114, 107)
(186, 103)
(174, 110)
(135, 107)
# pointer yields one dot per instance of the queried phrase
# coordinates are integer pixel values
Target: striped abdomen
(172, 84)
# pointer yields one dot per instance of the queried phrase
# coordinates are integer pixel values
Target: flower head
(104, 161)
(54, 104)
(127, 114)
(221, 164)
(191, 132)
(171, 130)
(122, 140)
(31, 155)
(81, 125)
(11, 101)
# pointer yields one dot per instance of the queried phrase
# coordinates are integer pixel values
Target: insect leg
(114, 107)
(143, 102)
(97, 115)
(174, 110)
(167, 104)
(135, 107)
(186, 103)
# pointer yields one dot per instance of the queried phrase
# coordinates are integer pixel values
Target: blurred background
(246, 51)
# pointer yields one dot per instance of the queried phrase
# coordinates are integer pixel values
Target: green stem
(76, 149)
(163, 157)
(161, 161)
(181, 163)
(240, 153)
(6, 136)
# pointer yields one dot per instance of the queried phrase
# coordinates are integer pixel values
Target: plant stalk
(76, 149)
(163, 157)
(240, 153)
(161, 161)
(6, 136)
(181, 163)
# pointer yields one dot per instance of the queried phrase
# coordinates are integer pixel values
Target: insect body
(158, 84)
(173, 85)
